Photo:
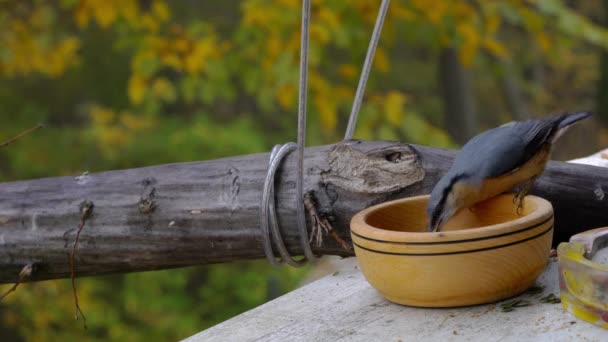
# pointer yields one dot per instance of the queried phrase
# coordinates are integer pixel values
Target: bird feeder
(481, 255)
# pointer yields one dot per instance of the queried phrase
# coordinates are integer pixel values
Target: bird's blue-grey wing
(491, 154)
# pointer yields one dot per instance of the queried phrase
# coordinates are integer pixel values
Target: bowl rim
(359, 226)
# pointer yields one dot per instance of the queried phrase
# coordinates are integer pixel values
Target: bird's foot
(520, 206)
(518, 198)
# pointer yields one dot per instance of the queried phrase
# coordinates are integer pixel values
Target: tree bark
(458, 98)
(196, 213)
(602, 85)
(512, 90)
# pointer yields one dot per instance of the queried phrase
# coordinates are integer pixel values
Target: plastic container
(583, 276)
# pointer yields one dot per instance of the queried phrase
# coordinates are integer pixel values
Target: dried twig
(24, 133)
(320, 224)
(86, 208)
(24, 274)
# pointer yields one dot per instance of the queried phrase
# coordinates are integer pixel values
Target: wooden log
(195, 213)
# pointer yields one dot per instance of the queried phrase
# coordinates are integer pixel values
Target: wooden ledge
(345, 307)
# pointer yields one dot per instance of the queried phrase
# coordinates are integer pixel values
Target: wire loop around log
(268, 218)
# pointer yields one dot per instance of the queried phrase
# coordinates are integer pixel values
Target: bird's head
(444, 201)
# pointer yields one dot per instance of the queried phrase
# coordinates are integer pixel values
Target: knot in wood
(146, 205)
(86, 208)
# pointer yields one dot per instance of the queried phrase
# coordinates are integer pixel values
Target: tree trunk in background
(514, 99)
(458, 99)
(602, 88)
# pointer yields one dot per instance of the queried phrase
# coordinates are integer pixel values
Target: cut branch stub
(374, 172)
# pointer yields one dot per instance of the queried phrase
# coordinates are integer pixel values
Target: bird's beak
(435, 224)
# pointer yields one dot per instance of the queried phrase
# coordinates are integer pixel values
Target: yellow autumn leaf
(139, 59)
(161, 10)
(81, 14)
(401, 12)
(112, 137)
(317, 83)
(319, 33)
(466, 54)
(532, 20)
(101, 115)
(203, 49)
(460, 8)
(171, 60)
(258, 14)
(393, 107)
(468, 48)
(137, 89)
(543, 40)
(273, 46)
(104, 11)
(328, 17)
(286, 95)
(63, 55)
(133, 122)
(344, 93)
(291, 4)
(435, 11)
(347, 71)
(492, 23)
(69, 45)
(327, 112)
(163, 89)
(381, 61)
(148, 23)
(193, 63)
(39, 17)
(495, 48)
(181, 44)
(130, 11)
(267, 64)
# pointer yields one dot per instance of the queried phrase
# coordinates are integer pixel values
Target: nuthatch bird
(496, 161)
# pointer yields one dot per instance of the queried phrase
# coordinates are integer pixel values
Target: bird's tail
(565, 120)
(570, 118)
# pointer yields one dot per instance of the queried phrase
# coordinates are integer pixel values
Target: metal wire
(268, 216)
(303, 87)
(369, 57)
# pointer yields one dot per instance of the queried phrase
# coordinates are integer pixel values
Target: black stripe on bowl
(454, 241)
(460, 252)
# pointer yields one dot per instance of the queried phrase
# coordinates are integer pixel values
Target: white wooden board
(344, 307)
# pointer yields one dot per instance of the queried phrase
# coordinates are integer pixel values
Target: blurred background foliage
(129, 83)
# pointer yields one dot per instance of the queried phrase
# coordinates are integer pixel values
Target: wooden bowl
(483, 254)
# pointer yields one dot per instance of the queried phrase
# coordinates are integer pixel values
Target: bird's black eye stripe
(446, 191)
(453, 181)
